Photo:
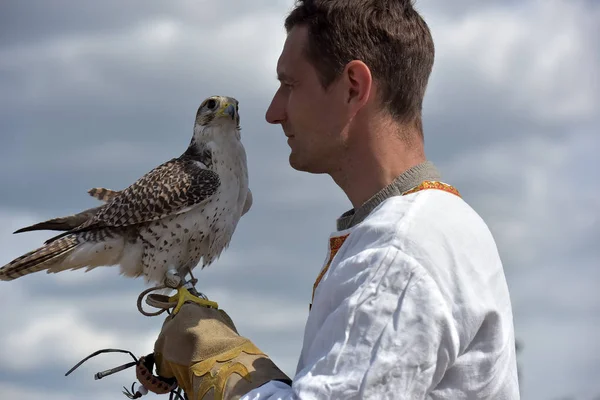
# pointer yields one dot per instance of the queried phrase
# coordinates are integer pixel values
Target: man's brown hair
(389, 36)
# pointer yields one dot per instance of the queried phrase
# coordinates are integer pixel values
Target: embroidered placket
(336, 242)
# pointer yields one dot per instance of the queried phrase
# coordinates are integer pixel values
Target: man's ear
(359, 83)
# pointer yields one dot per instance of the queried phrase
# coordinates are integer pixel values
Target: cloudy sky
(97, 93)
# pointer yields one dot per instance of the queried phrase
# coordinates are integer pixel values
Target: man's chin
(304, 165)
(295, 163)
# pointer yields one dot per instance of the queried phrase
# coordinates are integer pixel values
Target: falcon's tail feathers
(61, 223)
(40, 259)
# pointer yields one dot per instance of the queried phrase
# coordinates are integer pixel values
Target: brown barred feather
(168, 189)
(39, 259)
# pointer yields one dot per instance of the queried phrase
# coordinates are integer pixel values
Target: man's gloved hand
(201, 348)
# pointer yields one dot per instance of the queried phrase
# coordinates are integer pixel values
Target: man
(412, 302)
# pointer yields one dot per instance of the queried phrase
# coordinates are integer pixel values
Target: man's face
(312, 118)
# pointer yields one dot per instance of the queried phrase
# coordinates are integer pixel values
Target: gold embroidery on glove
(218, 379)
(204, 366)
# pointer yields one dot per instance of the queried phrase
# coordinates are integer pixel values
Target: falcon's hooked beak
(227, 109)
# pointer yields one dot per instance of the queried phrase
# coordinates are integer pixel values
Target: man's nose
(276, 112)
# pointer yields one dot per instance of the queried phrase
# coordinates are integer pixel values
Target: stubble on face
(313, 118)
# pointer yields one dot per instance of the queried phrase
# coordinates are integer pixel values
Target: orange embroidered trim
(335, 243)
(433, 185)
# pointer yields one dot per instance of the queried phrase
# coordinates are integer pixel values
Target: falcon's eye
(211, 104)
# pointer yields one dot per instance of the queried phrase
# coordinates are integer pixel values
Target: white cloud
(536, 56)
(236, 53)
(260, 313)
(12, 391)
(54, 336)
(526, 191)
(45, 329)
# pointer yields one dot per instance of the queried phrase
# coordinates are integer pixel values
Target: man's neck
(370, 167)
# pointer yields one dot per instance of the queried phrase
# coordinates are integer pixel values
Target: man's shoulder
(442, 237)
(436, 214)
(437, 230)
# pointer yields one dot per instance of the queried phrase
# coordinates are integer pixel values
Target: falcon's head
(218, 111)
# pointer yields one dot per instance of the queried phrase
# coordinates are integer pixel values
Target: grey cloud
(544, 223)
(37, 19)
(120, 105)
(152, 107)
(460, 8)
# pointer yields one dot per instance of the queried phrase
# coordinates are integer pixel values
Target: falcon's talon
(183, 296)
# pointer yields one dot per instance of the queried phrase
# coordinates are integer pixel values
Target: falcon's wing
(62, 223)
(169, 189)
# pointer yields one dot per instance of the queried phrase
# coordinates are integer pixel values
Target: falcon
(179, 214)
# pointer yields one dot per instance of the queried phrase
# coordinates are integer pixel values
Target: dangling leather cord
(100, 375)
(186, 293)
(141, 296)
(144, 367)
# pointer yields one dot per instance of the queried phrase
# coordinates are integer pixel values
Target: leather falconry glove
(200, 348)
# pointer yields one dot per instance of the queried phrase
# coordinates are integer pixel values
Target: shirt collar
(407, 180)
